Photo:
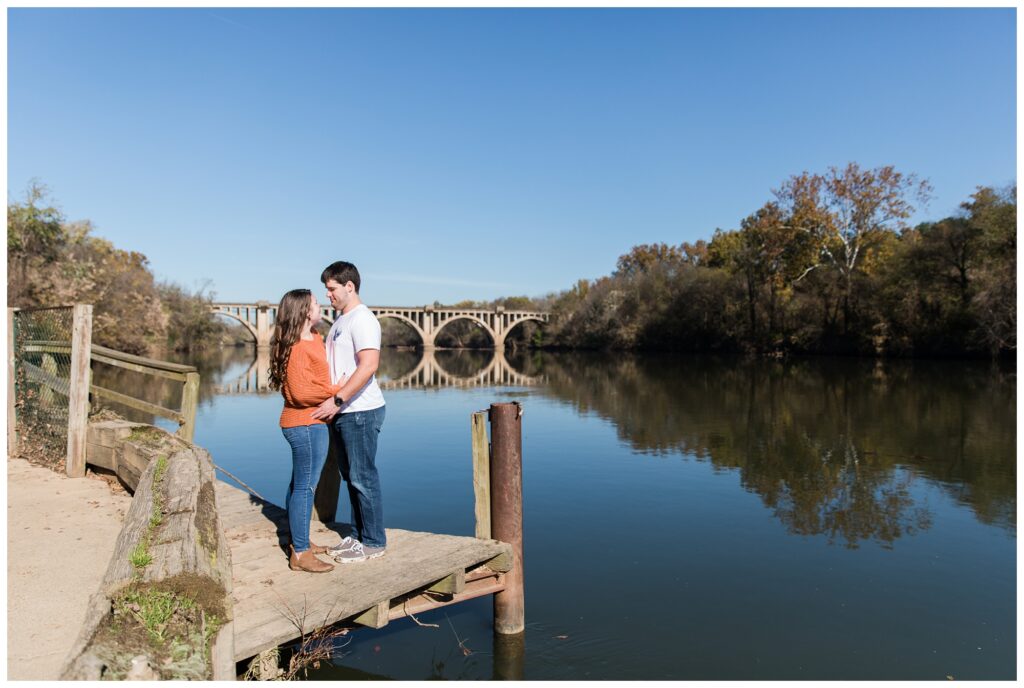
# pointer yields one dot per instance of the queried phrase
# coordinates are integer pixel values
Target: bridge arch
(525, 318)
(471, 318)
(248, 325)
(408, 321)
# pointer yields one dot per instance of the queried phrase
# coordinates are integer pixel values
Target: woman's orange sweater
(307, 383)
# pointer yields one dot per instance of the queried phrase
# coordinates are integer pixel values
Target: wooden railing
(188, 375)
(78, 385)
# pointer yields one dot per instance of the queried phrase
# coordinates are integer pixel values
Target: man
(356, 412)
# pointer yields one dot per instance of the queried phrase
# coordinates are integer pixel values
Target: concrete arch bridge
(428, 321)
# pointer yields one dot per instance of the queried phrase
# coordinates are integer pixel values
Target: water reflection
(406, 369)
(832, 446)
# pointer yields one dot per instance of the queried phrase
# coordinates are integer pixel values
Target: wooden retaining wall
(188, 544)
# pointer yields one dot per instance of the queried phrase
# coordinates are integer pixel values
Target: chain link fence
(42, 352)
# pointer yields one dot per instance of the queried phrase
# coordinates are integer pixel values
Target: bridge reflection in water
(401, 369)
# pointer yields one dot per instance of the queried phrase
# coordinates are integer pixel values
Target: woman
(298, 367)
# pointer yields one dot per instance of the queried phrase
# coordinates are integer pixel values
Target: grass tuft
(140, 557)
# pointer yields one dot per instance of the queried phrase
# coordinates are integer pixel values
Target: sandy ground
(60, 537)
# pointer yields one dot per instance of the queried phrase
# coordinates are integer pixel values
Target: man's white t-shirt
(354, 331)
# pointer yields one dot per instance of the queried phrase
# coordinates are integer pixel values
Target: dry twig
(418, 622)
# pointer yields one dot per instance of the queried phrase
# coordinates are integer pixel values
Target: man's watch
(338, 400)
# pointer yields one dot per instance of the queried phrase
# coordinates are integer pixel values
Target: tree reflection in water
(832, 446)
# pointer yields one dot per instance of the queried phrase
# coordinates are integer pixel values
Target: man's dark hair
(341, 272)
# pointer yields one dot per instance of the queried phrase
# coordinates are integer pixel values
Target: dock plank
(274, 605)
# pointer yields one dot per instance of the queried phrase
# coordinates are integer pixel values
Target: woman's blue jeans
(309, 453)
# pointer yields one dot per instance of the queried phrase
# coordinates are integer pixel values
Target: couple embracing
(330, 391)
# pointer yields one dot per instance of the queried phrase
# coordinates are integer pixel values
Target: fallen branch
(418, 622)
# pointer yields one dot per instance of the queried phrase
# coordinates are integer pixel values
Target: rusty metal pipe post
(507, 511)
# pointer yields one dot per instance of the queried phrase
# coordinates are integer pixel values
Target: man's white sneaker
(372, 552)
(347, 551)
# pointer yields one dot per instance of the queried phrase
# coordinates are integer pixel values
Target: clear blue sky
(470, 154)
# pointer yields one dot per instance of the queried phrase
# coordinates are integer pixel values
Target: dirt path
(60, 537)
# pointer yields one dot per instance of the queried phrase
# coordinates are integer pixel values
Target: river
(693, 517)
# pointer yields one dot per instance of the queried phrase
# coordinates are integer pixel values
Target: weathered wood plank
(98, 455)
(46, 347)
(145, 370)
(122, 357)
(501, 563)
(189, 404)
(481, 475)
(12, 417)
(241, 509)
(78, 384)
(452, 584)
(134, 403)
(376, 616)
(258, 560)
(52, 381)
(222, 654)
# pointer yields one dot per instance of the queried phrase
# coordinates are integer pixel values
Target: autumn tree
(645, 257)
(57, 263)
(35, 238)
(994, 214)
(770, 253)
(847, 212)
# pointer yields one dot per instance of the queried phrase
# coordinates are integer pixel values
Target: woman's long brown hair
(291, 318)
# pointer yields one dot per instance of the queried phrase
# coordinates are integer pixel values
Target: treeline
(830, 265)
(53, 262)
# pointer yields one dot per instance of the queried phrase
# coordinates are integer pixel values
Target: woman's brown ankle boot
(307, 561)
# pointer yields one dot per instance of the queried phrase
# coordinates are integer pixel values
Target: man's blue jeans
(355, 434)
(309, 453)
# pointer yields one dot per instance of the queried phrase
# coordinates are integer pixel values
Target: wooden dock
(274, 605)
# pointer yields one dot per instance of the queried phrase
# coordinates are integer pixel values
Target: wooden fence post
(78, 389)
(48, 364)
(325, 501)
(507, 511)
(12, 414)
(189, 404)
(481, 475)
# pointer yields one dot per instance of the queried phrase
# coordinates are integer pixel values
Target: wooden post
(78, 389)
(481, 475)
(189, 403)
(507, 511)
(325, 500)
(48, 365)
(12, 414)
